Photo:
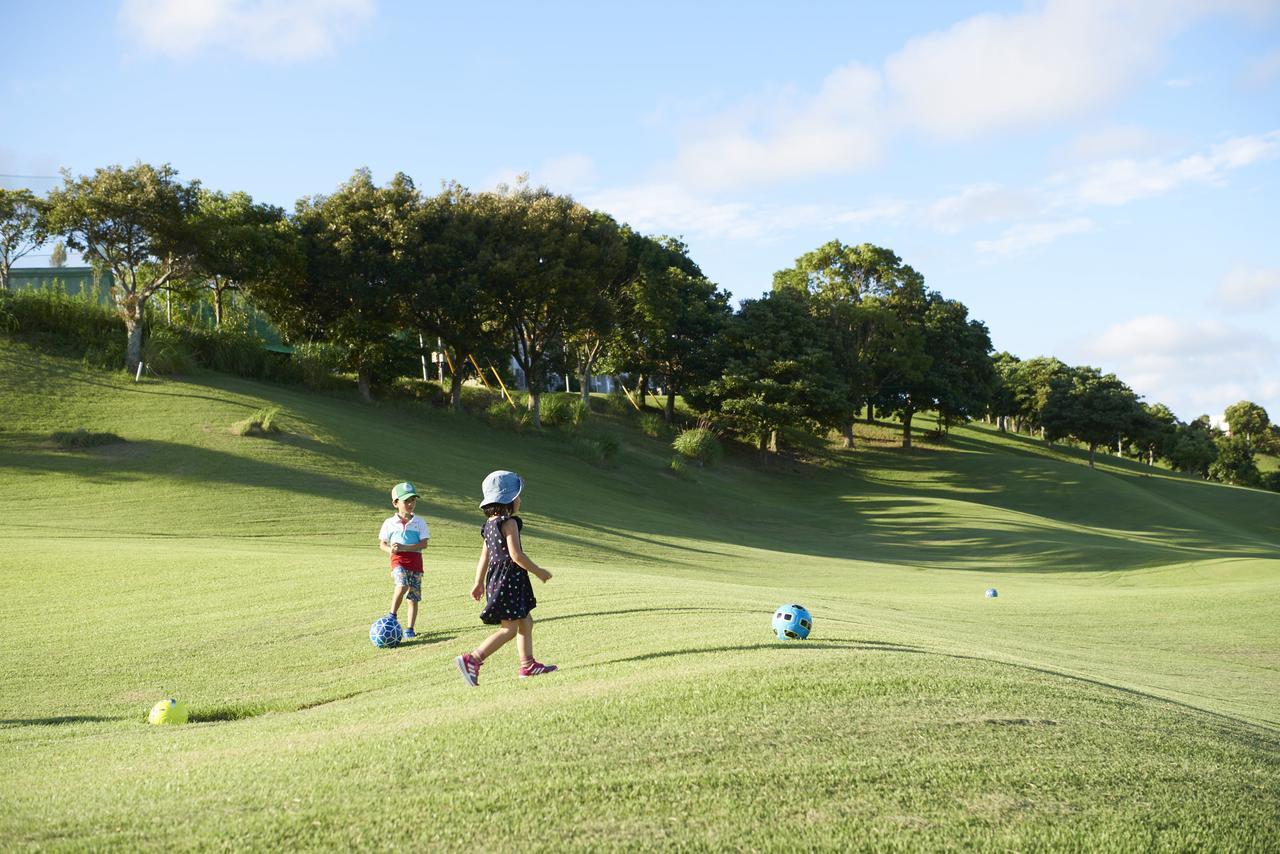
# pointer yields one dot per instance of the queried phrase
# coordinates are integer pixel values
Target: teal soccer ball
(386, 632)
(792, 622)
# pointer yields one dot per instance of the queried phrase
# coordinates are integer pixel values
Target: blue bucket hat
(501, 487)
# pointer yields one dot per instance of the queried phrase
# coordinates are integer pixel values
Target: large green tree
(351, 275)
(1235, 463)
(139, 222)
(862, 296)
(555, 257)
(1089, 406)
(239, 242)
(778, 373)
(1247, 420)
(668, 318)
(453, 257)
(952, 374)
(22, 228)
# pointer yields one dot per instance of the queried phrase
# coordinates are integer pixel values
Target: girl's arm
(512, 533)
(477, 590)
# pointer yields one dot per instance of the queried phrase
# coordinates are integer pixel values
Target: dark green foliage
(599, 450)
(1191, 447)
(562, 410)
(1235, 463)
(699, 444)
(1089, 406)
(81, 438)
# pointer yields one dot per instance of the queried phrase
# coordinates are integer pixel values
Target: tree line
(523, 274)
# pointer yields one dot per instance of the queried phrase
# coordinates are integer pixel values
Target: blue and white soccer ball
(991, 593)
(386, 632)
(792, 622)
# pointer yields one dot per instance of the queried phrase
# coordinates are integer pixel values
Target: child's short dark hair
(491, 510)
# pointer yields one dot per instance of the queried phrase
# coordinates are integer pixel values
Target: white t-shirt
(405, 533)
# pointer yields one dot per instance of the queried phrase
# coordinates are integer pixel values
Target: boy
(404, 536)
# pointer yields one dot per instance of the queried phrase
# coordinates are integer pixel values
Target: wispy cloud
(273, 30)
(1194, 366)
(672, 208)
(1019, 238)
(980, 204)
(1117, 182)
(1264, 70)
(1248, 289)
(784, 135)
(988, 73)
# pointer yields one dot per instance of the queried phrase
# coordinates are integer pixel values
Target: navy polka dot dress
(507, 592)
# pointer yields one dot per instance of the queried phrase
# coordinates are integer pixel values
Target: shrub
(81, 438)
(562, 410)
(652, 425)
(503, 415)
(699, 444)
(166, 353)
(264, 422)
(599, 451)
(617, 403)
(681, 469)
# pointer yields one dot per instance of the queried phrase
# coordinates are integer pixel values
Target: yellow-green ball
(169, 711)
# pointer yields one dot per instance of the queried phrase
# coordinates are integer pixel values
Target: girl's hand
(477, 591)
(543, 575)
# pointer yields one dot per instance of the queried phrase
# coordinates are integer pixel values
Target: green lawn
(1122, 691)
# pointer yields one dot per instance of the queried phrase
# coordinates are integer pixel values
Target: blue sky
(1097, 181)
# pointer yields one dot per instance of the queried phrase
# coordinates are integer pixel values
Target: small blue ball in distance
(991, 593)
(386, 632)
(792, 622)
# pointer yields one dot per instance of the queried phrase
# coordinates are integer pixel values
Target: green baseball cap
(403, 490)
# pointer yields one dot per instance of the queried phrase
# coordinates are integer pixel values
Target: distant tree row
(524, 273)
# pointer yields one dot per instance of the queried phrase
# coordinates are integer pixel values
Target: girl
(502, 576)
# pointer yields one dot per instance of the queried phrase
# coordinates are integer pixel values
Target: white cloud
(782, 136)
(1193, 366)
(1117, 182)
(671, 208)
(978, 204)
(570, 173)
(1107, 143)
(1056, 60)
(277, 30)
(1248, 288)
(1021, 237)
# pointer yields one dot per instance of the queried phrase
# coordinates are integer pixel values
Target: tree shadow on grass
(790, 646)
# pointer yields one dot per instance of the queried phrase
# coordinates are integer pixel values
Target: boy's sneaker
(409, 634)
(470, 667)
(537, 668)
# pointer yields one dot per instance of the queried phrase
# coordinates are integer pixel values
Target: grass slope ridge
(1120, 692)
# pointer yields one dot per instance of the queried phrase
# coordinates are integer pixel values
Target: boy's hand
(477, 591)
(395, 548)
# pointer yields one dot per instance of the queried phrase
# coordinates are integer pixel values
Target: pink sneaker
(470, 667)
(536, 669)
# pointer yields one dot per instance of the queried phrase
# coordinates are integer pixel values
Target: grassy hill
(1122, 691)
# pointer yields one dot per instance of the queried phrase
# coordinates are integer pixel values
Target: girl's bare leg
(524, 639)
(495, 641)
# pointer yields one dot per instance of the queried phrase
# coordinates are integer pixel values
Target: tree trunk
(364, 382)
(535, 406)
(455, 384)
(217, 305)
(4, 275)
(133, 326)
(906, 428)
(764, 446)
(669, 411)
(584, 381)
(847, 430)
(642, 386)
(1093, 446)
